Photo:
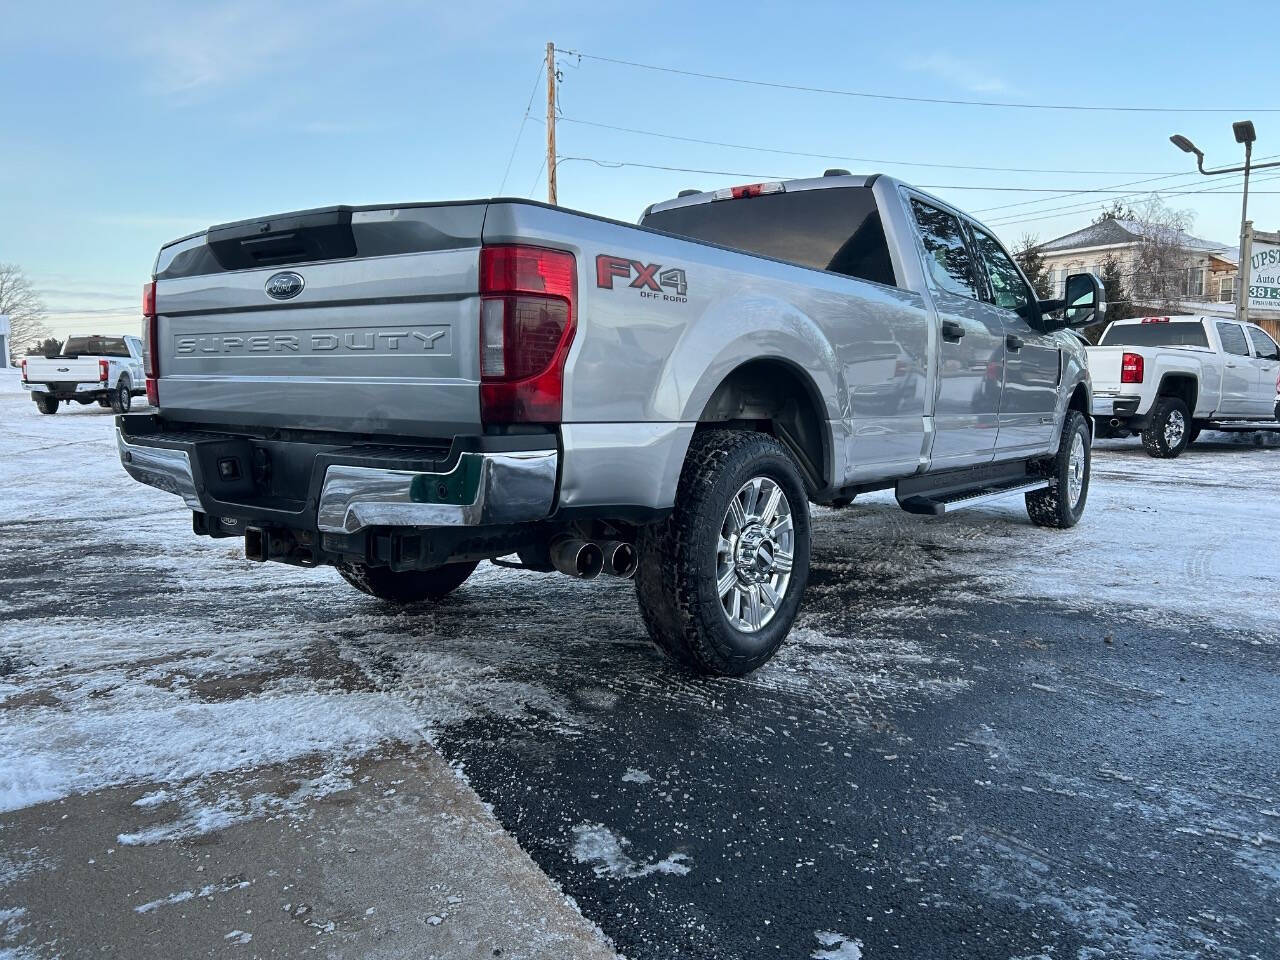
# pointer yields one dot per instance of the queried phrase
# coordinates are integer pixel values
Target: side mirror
(1084, 302)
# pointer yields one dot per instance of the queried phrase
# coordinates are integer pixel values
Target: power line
(538, 176)
(523, 121)
(905, 99)
(1053, 212)
(618, 164)
(832, 156)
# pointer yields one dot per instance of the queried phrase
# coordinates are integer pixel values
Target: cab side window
(1233, 340)
(946, 255)
(1263, 345)
(1008, 289)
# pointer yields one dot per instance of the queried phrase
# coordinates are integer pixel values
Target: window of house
(1193, 284)
(1227, 290)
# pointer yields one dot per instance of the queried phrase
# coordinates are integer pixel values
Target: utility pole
(551, 124)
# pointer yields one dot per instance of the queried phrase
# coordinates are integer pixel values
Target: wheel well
(1180, 385)
(773, 397)
(1079, 400)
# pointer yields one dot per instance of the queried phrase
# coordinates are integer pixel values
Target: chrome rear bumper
(480, 488)
(164, 468)
(497, 488)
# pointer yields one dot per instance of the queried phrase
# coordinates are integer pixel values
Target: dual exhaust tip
(587, 559)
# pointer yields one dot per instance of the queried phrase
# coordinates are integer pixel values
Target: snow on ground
(133, 653)
(606, 853)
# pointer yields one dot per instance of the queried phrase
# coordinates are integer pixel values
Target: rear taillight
(24, 369)
(1131, 368)
(104, 370)
(527, 306)
(150, 343)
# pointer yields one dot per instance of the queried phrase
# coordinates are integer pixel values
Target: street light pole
(1244, 133)
(1246, 236)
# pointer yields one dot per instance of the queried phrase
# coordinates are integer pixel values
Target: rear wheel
(121, 398)
(46, 404)
(407, 586)
(1061, 504)
(721, 579)
(1168, 429)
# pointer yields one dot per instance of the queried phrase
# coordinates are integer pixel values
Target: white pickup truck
(107, 369)
(1167, 378)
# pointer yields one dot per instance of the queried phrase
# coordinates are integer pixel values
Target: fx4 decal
(649, 278)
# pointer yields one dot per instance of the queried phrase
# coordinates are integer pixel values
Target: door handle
(1014, 343)
(1231, 366)
(952, 331)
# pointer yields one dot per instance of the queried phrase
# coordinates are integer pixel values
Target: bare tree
(24, 307)
(1159, 270)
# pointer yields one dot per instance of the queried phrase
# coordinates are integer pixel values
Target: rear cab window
(836, 229)
(1164, 333)
(1233, 341)
(946, 254)
(95, 347)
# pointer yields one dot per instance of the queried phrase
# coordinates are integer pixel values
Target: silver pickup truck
(404, 391)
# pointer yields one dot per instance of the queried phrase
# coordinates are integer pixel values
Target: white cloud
(972, 75)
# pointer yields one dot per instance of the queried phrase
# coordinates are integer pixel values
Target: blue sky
(128, 124)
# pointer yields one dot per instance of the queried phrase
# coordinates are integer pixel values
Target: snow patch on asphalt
(599, 846)
(836, 946)
(182, 896)
(636, 776)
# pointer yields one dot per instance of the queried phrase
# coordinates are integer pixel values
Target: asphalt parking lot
(983, 739)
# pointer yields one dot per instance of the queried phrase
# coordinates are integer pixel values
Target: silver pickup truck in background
(404, 391)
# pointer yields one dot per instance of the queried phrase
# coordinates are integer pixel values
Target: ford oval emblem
(285, 286)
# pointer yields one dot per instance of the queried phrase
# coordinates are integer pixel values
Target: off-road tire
(1153, 436)
(121, 398)
(1053, 506)
(47, 405)
(407, 586)
(676, 579)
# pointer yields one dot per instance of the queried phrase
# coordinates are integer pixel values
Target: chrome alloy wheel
(1075, 469)
(755, 553)
(1174, 428)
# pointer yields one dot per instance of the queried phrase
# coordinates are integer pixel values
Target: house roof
(1116, 232)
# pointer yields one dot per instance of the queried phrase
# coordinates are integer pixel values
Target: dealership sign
(1264, 272)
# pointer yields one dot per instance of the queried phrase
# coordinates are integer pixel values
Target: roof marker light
(749, 190)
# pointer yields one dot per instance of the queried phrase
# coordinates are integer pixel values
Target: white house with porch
(1210, 283)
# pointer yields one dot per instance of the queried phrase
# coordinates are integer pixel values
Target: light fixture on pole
(1244, 133)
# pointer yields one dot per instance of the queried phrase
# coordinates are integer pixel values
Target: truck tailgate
(372, 328)
(62, 369)
(1104, 367)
